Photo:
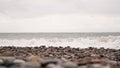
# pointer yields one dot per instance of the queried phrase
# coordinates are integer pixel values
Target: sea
(82, 40)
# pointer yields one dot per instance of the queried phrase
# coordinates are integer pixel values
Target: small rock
(31, 65)
(69, 65)
(7, 53)
(3, 67)
(47, 62)
(53, 66)
(82, 63)
(19, 57)
(63, 59)
(95, 61)
(1, 61)
(17, 65)
(50, 66)
(19, 61)
(97, 66)
(110, 61)
(83, 66)
(7, 60)
(66, 56)
(33, 58)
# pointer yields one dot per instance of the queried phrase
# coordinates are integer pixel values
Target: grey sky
(59, 15)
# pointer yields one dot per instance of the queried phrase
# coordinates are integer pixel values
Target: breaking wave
(112, 42)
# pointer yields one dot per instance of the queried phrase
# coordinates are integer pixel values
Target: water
(82, 40)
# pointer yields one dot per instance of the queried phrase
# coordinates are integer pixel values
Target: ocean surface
(81, 40)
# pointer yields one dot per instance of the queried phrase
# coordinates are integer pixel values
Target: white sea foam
(112, 42)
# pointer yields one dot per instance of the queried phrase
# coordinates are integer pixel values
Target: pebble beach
(58, 57)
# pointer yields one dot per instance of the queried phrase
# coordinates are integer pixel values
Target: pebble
(69, 65)
(16, 65)
(31, 65)
(34, 58)
(1, 61)
(19, 61)
(51, 62)
(3, 67)
(7, 53)
(7, 60)
(53, 66)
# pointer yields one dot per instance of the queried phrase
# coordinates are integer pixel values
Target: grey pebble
(17, 66)
(3, 67)
(53, 66)
(7, 61)
(31, 65)
(69, 65)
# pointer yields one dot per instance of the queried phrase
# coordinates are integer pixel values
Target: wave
(112, 42)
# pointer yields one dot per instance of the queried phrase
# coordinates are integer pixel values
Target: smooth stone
(19, 61)
(110, 61)
(33, 58)
(3, 67)
(1, 61)
(83, 66)
(7, 60)
(7, 53)
(19, 57)
(32, 65)
(16, 65)
(66, 56)
(98, 66)
(47, 62)
(82, 63)
(64, 60)
(69, 65)
(95, 60)
(51, 62)
(53, 66)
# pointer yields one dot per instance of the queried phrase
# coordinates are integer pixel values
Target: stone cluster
(58, 57)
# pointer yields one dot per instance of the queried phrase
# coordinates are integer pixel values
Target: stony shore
(58, 57)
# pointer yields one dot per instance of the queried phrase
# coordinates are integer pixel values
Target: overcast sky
(59, 15)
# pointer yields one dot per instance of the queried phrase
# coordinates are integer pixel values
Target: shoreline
(81, 57)
(60, 49)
